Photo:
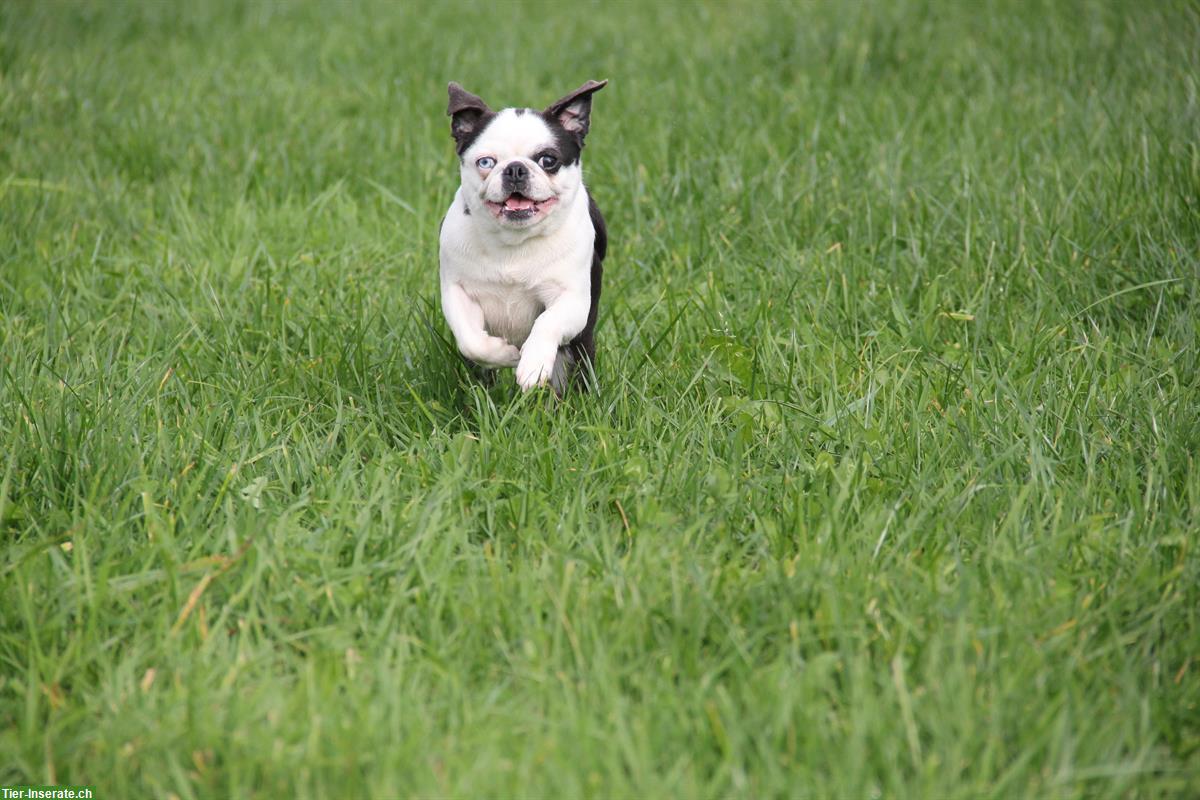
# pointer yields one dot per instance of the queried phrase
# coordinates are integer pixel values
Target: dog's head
(519, 166)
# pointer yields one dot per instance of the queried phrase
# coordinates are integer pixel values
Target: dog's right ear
(467, 114)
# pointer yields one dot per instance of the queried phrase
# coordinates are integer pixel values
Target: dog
(522, 247)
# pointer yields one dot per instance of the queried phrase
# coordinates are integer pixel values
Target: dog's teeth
(518, 203)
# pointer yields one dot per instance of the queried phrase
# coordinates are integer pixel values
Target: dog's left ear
(574, 112)
(467, 112)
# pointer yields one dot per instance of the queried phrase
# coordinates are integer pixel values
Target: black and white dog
(523, 242)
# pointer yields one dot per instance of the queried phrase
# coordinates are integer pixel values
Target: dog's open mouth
(518, 207)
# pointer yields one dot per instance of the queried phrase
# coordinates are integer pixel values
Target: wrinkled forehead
(513, 132)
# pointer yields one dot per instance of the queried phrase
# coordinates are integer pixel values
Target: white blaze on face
(517, 136)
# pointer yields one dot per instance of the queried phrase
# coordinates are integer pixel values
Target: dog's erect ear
(574, 112)
(466, 112)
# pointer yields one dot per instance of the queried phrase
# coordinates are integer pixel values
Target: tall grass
(890, 489)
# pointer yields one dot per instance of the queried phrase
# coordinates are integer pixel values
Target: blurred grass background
(890, 490)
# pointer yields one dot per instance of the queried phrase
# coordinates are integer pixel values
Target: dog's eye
(547, 161)
(485, 163)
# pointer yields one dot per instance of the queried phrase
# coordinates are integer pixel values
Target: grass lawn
(891, 488)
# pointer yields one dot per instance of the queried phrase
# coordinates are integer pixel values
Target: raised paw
(492, 351)
(536, 366)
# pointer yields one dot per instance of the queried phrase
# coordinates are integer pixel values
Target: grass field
(890, 490)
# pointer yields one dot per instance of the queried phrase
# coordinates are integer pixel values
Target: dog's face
(520, 166)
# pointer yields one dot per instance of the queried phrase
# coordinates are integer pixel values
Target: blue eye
(487, 162)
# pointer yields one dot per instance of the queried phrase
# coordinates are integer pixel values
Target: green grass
(891, 489)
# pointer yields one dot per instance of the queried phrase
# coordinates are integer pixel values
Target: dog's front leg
(562, 320)
(465, 318)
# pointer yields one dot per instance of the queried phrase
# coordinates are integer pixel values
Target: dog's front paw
(536, 366)
(493, 351)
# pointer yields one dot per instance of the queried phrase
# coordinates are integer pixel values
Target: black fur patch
(568, 144)
(465, 136)
(582, 349)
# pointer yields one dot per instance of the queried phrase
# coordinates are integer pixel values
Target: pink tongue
(516, 203)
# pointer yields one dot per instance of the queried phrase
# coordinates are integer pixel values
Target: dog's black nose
(515, 172)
